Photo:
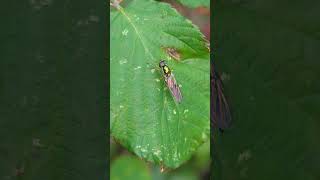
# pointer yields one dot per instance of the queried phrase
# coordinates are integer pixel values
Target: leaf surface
(144, 116)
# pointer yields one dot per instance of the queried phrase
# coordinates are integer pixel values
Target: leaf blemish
(158, 80)
(157, 152)
(152, 71)
(123, 61)
(175, 156)
(225, 76)
(244, 156)
(93, 18)
(138, 67)
(185, 111)
(174, 111)
(143, 150)
(204, 136)
(173, 53)
(125, 32)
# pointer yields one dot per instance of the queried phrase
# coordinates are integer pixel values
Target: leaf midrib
(137, 32)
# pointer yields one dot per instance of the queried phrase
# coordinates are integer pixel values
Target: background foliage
(267, 53)
(53, 90)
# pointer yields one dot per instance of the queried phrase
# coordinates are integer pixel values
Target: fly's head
(162, 63)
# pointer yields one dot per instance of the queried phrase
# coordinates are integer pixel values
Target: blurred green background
(268, 54)
(53, 90)
(125, 165)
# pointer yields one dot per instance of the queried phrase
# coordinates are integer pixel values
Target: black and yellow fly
(170, 81)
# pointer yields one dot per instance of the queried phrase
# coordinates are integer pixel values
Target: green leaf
(144, 116)
(128, 167)
(195, 3)
(270, 61)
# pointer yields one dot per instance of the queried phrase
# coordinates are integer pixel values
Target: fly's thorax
(166, 70)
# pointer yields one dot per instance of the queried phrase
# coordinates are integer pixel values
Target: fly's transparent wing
(173, 87)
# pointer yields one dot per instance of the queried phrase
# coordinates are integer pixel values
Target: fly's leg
(154, 69)
(158, 76)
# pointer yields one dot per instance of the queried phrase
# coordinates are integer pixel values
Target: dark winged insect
(170, 81)
(220, 111)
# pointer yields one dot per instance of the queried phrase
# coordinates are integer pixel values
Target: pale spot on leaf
(125, 32)
(244, 156)
(225, 76)
(204, 136)
(36, 142)
(123, 61)
(93, 18)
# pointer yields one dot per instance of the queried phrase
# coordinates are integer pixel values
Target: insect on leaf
(145, 118)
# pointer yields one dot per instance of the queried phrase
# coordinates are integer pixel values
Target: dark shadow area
(267, 55)
(53, 90)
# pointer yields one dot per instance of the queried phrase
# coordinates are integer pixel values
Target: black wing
(220, 111)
